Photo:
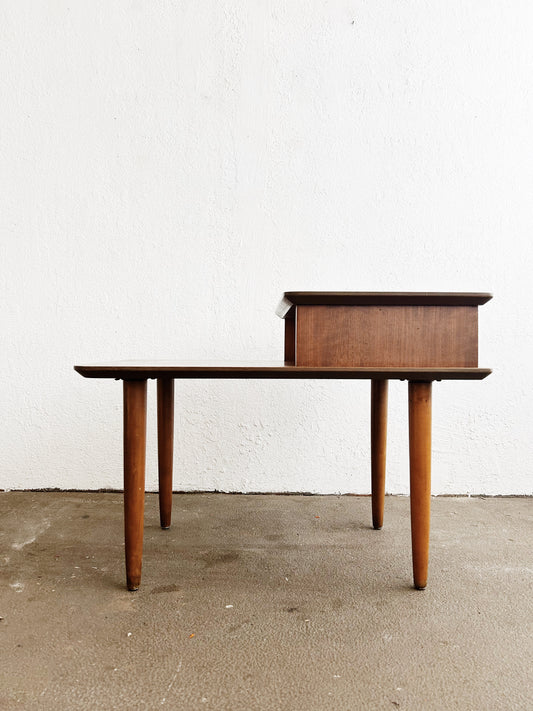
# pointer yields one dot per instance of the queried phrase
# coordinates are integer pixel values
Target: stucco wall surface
(168, 169)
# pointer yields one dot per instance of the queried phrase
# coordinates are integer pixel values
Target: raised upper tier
(381, 329)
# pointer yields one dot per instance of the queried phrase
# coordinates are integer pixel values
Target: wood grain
(165, 447)
(291, 299)
(134, 468)
(420, 477)
(375, 336)
(378, 449)
(290, 341)
(139, 370)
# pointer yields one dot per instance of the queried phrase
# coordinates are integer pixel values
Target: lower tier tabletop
(141, 370)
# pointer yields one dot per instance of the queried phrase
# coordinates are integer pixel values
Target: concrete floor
(264, 602)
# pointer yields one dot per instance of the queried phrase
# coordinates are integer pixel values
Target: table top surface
(140, 370)
(291, 299)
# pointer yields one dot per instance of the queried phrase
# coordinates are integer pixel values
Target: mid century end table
(418, 337)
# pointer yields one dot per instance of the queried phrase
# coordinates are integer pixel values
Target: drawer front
(381, 336)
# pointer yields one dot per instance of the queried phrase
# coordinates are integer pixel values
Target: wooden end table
(418, 337)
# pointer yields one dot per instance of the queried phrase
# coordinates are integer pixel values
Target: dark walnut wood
(381, 329)
(378, 447)
(134, 469)
(419, 337)
(291, 299)
(290, 341)
(141, 370)
(165, 447)
(374, 336)
(420, 477)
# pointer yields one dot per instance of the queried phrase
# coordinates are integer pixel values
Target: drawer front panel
(381, 336)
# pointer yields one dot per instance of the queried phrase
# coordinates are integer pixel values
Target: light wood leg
(165, 447)
(134, 468)
(378, 437)
(420, 477)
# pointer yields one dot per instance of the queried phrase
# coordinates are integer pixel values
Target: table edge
(280, 372)
(291, 299)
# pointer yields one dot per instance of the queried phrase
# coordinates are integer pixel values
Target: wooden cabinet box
(373, 329)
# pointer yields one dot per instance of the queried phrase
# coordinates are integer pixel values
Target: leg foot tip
(420, 587)
(165, 528)
(376, 527)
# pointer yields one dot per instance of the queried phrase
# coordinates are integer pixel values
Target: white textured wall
(168, 169)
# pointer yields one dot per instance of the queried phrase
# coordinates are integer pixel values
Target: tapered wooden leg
(134, 467)
(378, 437)
(165, 447)
(420, 477)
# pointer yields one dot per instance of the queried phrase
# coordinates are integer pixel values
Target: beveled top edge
(135, 370)
(378, 298)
